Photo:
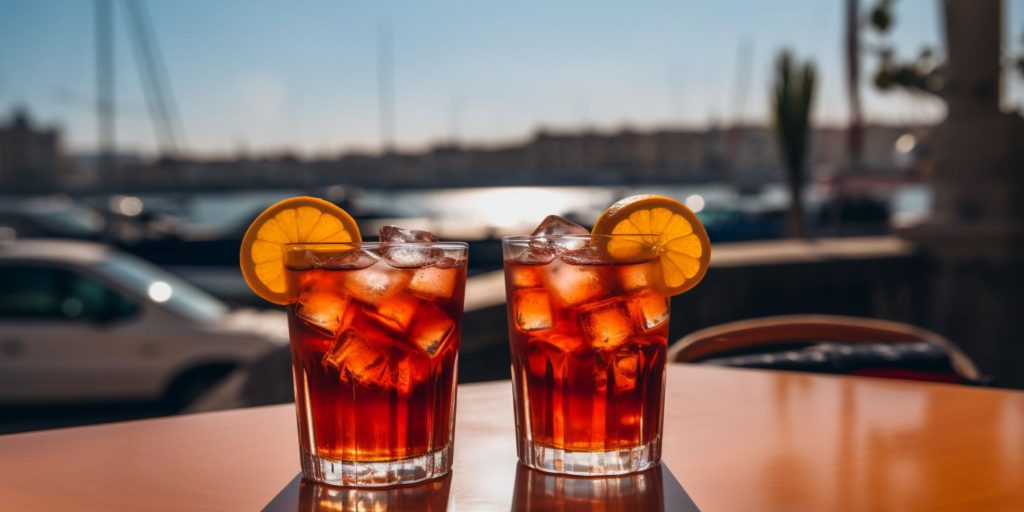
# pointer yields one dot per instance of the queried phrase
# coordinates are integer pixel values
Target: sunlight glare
(695, 202)
(160, 291)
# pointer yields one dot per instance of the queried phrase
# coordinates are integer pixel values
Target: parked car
(83, 322)
(50, 216)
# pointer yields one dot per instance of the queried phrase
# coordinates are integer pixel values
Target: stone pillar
(975, 240)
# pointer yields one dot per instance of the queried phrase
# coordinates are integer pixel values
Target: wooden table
(735, 439)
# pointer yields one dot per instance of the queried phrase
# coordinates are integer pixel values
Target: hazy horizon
(304, 78)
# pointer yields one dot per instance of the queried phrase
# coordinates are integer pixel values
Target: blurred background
(859, 157)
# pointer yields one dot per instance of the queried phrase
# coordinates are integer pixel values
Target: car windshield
(74, 221)
(61, 214)
(160, 286)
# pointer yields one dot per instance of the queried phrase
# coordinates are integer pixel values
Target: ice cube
(606, 323)
(584, 255)
(395, 312)
(447, 262)
(315, 280)
(637, 276)
(342, 256)
(410, 256)
(395, 234)
(357, 358)
(649, 308)
(306, 260)
(546, 246)
(433, 282)
(553, 225)
(532, 309)
(395, 249)
(376, 365)
(351, 260)
(324, 311)
(538, 253)
(552, 352)
(375, 283)
(523, 276)
(625, 365)
(574, 284)
(431, 329)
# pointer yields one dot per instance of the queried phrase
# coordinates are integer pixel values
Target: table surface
(735, 439)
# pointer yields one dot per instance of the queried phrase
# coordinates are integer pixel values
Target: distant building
(745, 155)
(29, 155)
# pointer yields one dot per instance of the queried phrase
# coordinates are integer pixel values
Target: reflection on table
(536, 490)
(430, 496)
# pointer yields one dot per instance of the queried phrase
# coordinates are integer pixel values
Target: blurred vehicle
(82, 322)
(50, 216)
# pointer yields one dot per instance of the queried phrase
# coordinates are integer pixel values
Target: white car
(83, 322)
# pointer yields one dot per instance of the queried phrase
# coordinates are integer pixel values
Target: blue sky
(269, 75)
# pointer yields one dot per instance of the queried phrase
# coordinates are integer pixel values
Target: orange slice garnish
(639, 224)
(294, 220)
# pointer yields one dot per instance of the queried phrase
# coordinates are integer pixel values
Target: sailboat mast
(105, 83)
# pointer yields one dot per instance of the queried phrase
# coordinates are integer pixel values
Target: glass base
(569, 462)
(377, 474)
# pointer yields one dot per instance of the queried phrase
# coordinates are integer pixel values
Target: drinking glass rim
(529, 238)
(376, 245)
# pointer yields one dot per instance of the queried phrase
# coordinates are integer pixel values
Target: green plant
(792, 100)
(920, 75)
(924, 74)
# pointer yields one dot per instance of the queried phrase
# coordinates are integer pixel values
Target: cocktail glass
(375, 331)
(588, 339)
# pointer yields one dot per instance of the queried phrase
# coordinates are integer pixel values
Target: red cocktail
(588, 339)
(588, 327)
(375, 332)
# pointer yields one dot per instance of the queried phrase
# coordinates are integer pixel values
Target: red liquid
(588, 354)
(374, 354)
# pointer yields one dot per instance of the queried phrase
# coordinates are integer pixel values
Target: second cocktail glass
(375, 331)
(588, 339)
